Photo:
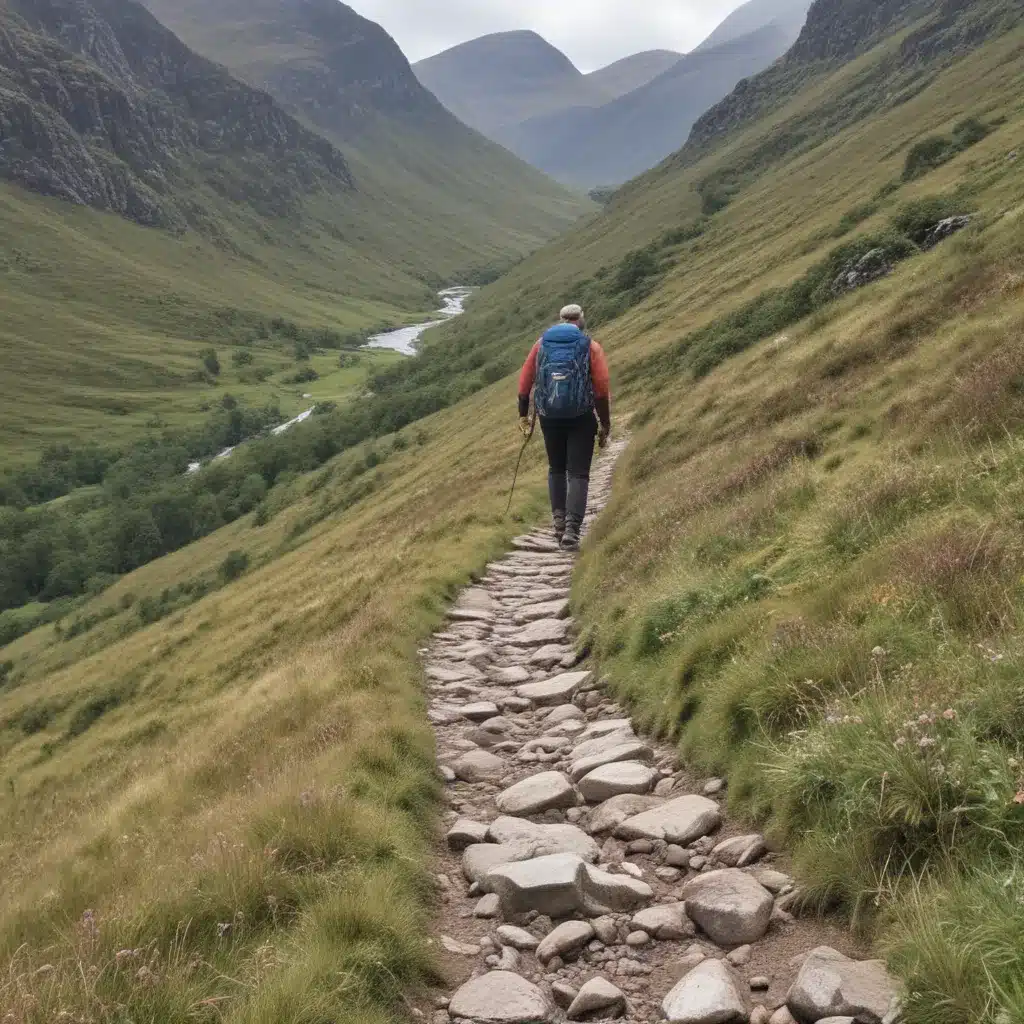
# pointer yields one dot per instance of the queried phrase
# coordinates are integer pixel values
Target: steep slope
(809, 576)
(755, 14)
(496, 82)
(609, 144)
(632, 72)
(103, 106)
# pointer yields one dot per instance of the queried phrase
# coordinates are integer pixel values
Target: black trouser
(570, 447)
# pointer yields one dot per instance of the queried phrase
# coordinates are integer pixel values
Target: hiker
(568, 374)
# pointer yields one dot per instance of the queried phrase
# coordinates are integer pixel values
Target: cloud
(592, 32)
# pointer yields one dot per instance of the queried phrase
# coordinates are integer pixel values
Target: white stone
(480, 712)
(615, 811)
(557, 690)
(618, 893)
(550, 885)
(740, 851)
(538, 793)
(677, 821)
(501, 997)
(547, 610)
(731, 908)
(479, 766)
(465, 833)
(709, 994)
(544, 839)
(616, 779)
(666, 922)
(567, 938)
(597, 995)
(546, 631)
(564, 713)
(630, 750)
(488, 908)
(517, 938)
(459, 948)
(832, 985)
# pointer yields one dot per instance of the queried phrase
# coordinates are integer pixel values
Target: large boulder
(614, 812)
(558, 690)
(832, 985)
(539, 793)
(553, 886)
(501, 997)
(544, 839)
(677, 821)
(732, 908)
(617, 779)
(710, 994)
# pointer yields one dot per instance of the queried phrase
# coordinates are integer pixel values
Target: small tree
(210, 361)
(234, 566)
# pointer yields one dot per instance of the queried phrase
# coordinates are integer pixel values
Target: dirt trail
(586, 875)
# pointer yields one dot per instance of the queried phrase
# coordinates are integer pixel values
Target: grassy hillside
(810, 576)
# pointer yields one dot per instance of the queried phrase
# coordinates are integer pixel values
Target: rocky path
(586, 875)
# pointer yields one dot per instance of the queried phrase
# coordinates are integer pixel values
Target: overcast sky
(592, 32)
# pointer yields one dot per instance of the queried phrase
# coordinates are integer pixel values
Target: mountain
(790, 14)
(496, 82)
(632, 72)
(103, 106)
(610, 144)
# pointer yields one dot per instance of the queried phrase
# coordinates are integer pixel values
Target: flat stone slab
(457, 673)
(501, 997)
(559, 690)
(629, 750)
(470, 615)
(544, 839)
(678, 821)
(550, 654)
(539, 793)
(558, 609)
(481, 858)
(465, 833)
(517, 938)
(710, 994)
(564, 713)
(480, 711)
(479, 766)
(550, 885)
(617, 779)
(730, 906)
(511, 676)
(614, 812)
(832, 985)
(666, 922)
(545, 631)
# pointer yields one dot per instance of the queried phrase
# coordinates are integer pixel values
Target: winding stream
(401, 340)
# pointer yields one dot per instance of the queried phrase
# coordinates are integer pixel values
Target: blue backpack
(564, 388)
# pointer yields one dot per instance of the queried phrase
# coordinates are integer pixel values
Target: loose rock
(832, 985)
(537, 794)
(597, 995)
(501, 998)
(729, 906)
(709, 994)
(567, 938)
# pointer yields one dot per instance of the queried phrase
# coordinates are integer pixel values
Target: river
(402, 340)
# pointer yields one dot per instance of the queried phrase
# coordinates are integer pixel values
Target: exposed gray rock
(709, 994)
(546, 610)
(546, 631)
(564, 994)
(459, 948)
(729, 906)
(558, 690)
(870, 267)
(465, 833)
(480, 712)
(517, 938)
(666, 922)
(512, 676)
(537, 794)
(678, 821)
(597, 996)
(615, 811)
(501, 997)
(740, 851)
(551, 885)
(628, 750)
(832, 985)
(614, 892)
(566, 939)
(617, 779)
(544, 839)
(488, 908)
(479, 766)
(944, 229)
(564, 713)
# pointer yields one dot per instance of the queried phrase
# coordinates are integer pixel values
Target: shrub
(234, 566)
(936, 150)
(241, 357)
(916, 218)
(304, 376)
(210, 362)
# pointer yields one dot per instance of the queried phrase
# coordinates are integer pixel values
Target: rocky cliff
(102, 106)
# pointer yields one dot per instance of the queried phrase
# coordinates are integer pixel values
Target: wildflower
(901, 741)
(223, 929)
(925, 719)
(949, 715)
(927, 741)
(1019, 799)
(146, 976)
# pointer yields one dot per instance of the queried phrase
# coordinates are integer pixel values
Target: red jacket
(599, 374)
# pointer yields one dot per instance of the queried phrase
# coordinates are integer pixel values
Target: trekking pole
(522, 452)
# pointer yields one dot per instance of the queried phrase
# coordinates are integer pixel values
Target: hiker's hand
(525, 426)
(602, 437)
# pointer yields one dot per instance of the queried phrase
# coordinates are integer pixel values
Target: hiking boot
(571, 539)
(558, 526)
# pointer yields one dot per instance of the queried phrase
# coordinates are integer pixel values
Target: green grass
(813, 553)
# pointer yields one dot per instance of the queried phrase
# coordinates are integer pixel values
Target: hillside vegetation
(219, 792)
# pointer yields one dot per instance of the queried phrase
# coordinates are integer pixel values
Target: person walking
(567, 372)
